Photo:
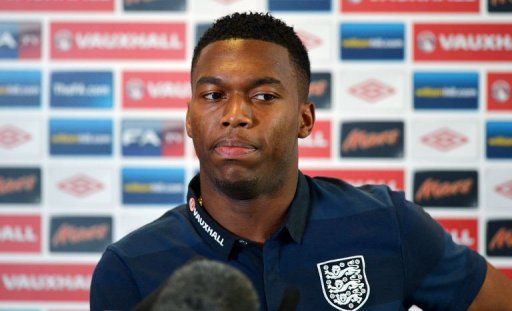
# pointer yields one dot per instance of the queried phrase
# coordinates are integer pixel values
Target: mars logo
(499, 237)
(156, 89)
(318, 143)
(80, 234)
(499, 95)
(446, 188)
(392, 178)
(20, 234)
(118, 40)
(12, 137)
(499, 5)
(344, 282)
(80, 185)
(463, 42)
(505, 189)
(463, 231)
(371, 90)
(372, 139)
(309, 40)
(45, 282)
(20, 185)
(444, 139)
(426, 41)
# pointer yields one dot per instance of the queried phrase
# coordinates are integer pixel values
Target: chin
(238, 188)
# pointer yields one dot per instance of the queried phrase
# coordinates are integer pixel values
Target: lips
(231, 148)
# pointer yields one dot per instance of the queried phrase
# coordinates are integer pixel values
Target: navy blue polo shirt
(342, 247)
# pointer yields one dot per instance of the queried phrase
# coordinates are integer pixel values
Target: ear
(306, 119)
(188, 123)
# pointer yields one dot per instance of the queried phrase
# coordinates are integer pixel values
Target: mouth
(232, 149)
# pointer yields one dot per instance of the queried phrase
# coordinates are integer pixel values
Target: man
(343, 248)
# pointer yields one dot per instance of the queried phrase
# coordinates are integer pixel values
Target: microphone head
(206, 285)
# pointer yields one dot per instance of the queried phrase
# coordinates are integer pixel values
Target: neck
(254, 219)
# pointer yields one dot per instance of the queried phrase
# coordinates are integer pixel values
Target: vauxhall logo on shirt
(446, 188)
(206, 227)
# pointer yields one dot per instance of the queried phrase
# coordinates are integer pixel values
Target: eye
(265, 97)
(213, 96)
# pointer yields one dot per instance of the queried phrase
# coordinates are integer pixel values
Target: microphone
(203, 285)
(290, 300)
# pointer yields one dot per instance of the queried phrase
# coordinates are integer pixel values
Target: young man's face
(245, 115)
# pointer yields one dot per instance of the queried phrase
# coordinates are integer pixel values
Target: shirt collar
(222, 240)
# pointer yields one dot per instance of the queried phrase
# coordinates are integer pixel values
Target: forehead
(243, 57)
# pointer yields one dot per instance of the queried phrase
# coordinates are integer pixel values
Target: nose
(237, 113)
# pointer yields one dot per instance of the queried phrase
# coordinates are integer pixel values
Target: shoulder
(327, 192)
(170, 230)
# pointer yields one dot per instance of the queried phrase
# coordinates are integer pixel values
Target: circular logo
(63, 40)
(192, 204)
(135, 89)
(500, 91)
(426, 41)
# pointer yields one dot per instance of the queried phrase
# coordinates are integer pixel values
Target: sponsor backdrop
(412, 94)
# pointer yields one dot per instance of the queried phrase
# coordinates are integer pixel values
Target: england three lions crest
(344, 282)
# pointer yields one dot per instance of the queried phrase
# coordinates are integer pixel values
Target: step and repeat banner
(415, 94)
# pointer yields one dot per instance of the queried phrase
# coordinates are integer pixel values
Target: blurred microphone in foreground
(203, 285)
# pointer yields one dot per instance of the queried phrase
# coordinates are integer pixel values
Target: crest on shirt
(344, 282)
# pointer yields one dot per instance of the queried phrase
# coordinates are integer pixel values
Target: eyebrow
(252, 84)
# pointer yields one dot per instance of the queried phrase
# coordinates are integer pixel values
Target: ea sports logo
(135, 89)
(426, 41)
(63, 40)
(500, 91)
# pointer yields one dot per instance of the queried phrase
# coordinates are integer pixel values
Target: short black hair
(264, 27)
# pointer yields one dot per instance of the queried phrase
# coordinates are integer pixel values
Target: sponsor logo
(419, 6)
(372, 139)
(446, 90)
(20, 89)
(156, 89)
(81, 89)
(80, 234)
(20, 40)
(344, 282)
(45, 282)
(499, 237)
(118, 41)
(446, 188)
(365, 89)
(20, 234)
(498, 189)
(463, 231)
(318, 143)
(147, 186)
(57, 5)
(299, 5)
(392, 178)
(12, 137)
(444, 139)
(320, 90)
(372, 41)
(499, 139)
(80, 137)
(371, 90)
(499, 5)
(91, 187)
(20, 185)
(153, 138)
(462, 42)
(309, 40)
(154, 5)
(206, 227)
(80, 185)
(499, 97)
